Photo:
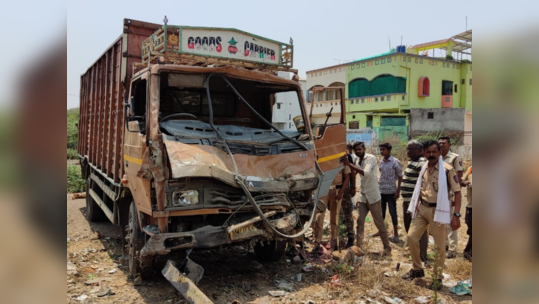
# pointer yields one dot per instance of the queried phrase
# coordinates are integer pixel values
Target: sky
(325, 32)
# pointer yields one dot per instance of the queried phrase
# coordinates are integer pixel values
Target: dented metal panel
(270, 173)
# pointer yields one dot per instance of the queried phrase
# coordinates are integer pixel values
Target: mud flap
(185, 281)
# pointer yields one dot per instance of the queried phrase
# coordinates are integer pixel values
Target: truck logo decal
(304, 155)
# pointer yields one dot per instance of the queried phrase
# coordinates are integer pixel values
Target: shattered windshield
(184, 109)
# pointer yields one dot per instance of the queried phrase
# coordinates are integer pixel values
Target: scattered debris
(298, 277)
(113, 271)
(105, 292)
(394, 300)
(82, 298)
(391, 274)
(138, 280)
(335, 280)
(296, 260)
(277, 293)
(461, 289)
(285, 286)
(257, 266)
(423, 300)
(71, 268)
(76, 196)
(446, 276)
(308, 268)
(373, 293)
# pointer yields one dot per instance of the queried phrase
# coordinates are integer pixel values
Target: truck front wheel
(135, 240)
(270, 251)
(93, 211)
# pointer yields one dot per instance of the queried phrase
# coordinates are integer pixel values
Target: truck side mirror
(130, 105)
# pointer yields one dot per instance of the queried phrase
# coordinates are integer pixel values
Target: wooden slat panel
(106, 115)
(91, 143)
(99, 155)
(110, 73)
(117, 149)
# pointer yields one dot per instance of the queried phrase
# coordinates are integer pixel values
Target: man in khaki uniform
(333, 200)
(467, 182)
(455, 161)
(426, 213)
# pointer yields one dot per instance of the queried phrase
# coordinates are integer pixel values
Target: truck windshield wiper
(249, 106)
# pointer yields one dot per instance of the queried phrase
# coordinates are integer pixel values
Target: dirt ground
(97, 273)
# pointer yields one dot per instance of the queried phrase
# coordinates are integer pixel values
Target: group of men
(431, 200)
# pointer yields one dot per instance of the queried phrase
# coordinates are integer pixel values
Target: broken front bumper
(211, 236)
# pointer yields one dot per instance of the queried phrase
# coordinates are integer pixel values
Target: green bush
(72, 154)
(449, 57)
(72, 130)
(434, 136)
(75, 183)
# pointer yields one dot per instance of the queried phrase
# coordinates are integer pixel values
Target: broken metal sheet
(286, 223)
(272, 173)
(184, 284)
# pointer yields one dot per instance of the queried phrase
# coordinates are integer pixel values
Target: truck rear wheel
(270, 252)
(93, 211)
(135, 240)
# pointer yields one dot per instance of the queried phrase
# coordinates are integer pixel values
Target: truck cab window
(139, 92)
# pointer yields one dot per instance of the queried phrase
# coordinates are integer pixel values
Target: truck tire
(135, 240)
(271, 252)
(93, 211)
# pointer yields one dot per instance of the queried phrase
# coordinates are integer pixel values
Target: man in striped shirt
(411, 174)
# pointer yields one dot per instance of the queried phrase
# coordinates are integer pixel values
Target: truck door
(328, 119)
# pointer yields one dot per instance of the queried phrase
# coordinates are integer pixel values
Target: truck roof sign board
(231, 45)
(223, 43)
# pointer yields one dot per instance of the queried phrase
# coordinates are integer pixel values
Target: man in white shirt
(370, 199)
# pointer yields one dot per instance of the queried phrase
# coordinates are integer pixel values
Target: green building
(411, 91)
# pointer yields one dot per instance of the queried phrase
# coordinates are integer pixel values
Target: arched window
(359, 88)
(424, 87)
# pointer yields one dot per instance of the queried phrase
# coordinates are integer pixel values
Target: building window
(409, 59)
(354, 125)
(431, 115)
(363, 100)
(289, 116)
(278, 106)
(447, 88)
(423, 87)
(376, 99)
(363, 65)
(421, 61)
(290, 125)
(354, 117)
(456, 88)
(470, 81)
(357, 66)
(389, 60)
(403, 97)
(383, 61)
(353, 67)
(331, 71)
(463, 82)
(417, 60)
(377, 62)
(454, 66)
(444, 64)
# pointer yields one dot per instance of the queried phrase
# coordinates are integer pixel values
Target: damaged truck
(177, 146)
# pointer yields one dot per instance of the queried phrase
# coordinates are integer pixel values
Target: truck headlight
(185, 198)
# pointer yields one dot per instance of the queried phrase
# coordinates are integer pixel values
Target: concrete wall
(449, 121)
(326, 76)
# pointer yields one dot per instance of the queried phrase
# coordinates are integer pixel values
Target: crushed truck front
(204, 176)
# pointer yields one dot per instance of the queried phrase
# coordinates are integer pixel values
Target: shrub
(72, 154)
(449, 57)
(75, 183)
(434, 136)
(72, 130)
